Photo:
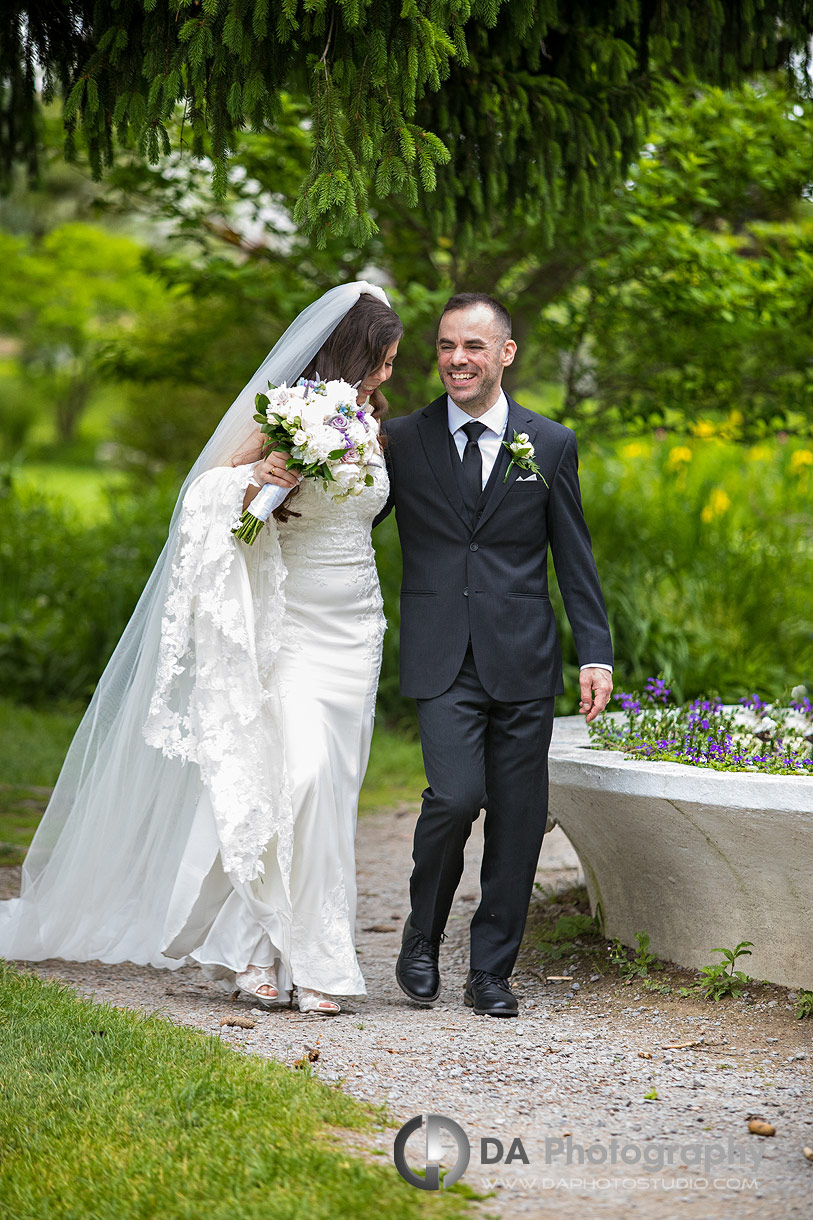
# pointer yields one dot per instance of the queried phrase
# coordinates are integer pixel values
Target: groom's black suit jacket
(485, 578)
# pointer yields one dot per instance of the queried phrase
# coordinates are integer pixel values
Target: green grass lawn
(32, 746)
(85, 488)
(114, 1115)
(33, 743)
(395, 772)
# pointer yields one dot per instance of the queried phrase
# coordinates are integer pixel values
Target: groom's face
(473, 350)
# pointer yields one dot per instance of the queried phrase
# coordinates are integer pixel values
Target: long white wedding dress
(263, 705)
(299, 914)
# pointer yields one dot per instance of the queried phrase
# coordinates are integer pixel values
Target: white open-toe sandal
(317, 1001)
(251, 980)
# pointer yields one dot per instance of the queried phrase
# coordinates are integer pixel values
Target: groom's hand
(596, 688)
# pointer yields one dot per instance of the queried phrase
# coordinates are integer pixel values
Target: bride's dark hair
(358, 345)
(355, 349)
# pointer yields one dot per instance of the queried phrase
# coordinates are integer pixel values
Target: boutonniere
(522, 455)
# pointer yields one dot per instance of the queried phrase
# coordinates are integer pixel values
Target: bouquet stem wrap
(269, 497)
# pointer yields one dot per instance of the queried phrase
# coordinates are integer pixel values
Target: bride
(206, 808)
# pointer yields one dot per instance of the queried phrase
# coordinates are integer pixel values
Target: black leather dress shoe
(416, 970)
(489, 995)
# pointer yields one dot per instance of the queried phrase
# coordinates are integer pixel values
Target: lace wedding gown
(239, 848)
(299, 913)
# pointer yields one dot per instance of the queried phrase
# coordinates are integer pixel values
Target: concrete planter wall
(697, 858)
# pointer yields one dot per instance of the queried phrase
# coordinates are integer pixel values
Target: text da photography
(433, 1151)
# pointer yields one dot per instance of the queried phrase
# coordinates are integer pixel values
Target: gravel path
(577, 1062)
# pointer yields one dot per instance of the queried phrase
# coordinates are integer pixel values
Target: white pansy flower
(797, 722)
(798, 693)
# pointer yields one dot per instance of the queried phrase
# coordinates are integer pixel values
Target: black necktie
(472, 467)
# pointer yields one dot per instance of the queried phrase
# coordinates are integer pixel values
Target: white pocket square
(526, 478)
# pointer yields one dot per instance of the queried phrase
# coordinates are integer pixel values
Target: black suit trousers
(481, 753)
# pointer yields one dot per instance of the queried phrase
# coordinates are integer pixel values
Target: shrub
(67, 590)
(705, 553)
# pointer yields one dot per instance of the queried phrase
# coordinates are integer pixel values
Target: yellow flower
(718, 504)
(679, 457)
(800, 460)
(635, 449)
(730, 429)
(704, 428)
(760, 453)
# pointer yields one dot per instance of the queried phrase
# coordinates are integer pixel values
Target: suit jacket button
(465, 592)
(474, 546)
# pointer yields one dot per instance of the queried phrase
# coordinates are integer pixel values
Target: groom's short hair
(464, 300)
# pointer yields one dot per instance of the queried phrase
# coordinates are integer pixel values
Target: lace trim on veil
(215, 700)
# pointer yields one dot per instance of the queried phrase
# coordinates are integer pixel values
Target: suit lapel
(433, 428)
(519, 420)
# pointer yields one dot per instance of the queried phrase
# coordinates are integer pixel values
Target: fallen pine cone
(311, 1057)
(758, 1126)
(240, 1022)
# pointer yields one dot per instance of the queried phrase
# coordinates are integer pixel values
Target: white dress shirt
(496, 421)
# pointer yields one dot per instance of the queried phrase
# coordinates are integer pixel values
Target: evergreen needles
(527, 104)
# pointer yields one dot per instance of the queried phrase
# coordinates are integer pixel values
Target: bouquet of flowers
(327, 436)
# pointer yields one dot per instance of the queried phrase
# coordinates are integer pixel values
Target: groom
(479, 648)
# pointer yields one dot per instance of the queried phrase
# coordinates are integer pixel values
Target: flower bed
(754, 736)
(699, 856)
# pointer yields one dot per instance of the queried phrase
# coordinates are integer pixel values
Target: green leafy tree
(526, 105)
(692, 295)
(686, 298)
(67, 294)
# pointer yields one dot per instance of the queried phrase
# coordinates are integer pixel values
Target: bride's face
(371, 381)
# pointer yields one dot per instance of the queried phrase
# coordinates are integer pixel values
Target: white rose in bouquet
(321, 442)
(356, 430)
(338, 394)
(346, 475)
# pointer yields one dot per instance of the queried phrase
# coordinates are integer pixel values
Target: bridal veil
(185, 685)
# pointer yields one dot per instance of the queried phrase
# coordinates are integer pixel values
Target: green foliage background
(704, 550)
(527, 107)
(671, 333)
